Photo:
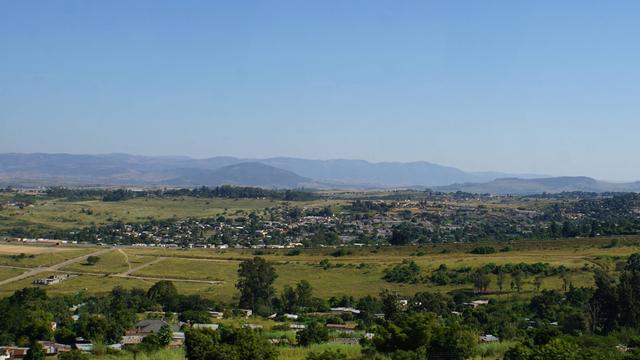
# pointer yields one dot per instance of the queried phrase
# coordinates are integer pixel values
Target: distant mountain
(386, 174)
(124, 169)
(516, 186)
(247, 174)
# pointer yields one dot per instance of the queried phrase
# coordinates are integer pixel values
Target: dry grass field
(213, 272)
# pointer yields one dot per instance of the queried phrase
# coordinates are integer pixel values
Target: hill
(247, 174)
(517, 186)
(124, 169)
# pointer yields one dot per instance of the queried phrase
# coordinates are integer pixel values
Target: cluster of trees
(224, 191)
(408, 272)
(29, 313)
(228, 344)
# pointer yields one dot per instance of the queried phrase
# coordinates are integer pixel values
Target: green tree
(314, 333)
(537, 283)
(255, 282)
(556, 349)
(36, 352)
(518, 352)
(500, 279)
(517, 277)
(481, 281)
(165, 335)
(304, 294)
(92, 260)
(73, 355)
(163, 292)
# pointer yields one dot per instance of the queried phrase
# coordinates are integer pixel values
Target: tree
(537, 283)
(92, 260)
(163, 292)
(36, 352)
(603, 305)
(289, 300)
(518, 352)
(501, 278)
(198, 344)
(517, 278)
(304, 293)
(165, 335)
(73, 355)
(255, 282)
(556, 349)
(314, 333)
(453, 342)
(481, 281)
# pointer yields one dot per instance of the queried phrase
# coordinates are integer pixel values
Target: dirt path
(126, 258)
(138, 268)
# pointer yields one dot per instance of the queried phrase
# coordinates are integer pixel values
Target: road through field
(56, 267)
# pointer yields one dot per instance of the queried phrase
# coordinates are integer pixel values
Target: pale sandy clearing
(29, 249)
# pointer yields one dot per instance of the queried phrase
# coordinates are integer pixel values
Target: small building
(488, 338)
(206, 326)
(345, 310)
(345, 328)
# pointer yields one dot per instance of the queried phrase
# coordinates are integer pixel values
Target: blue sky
(550, 87)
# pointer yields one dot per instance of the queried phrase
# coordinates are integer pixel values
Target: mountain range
(43, 169)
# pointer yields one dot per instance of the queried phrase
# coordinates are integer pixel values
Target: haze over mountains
(281, 172)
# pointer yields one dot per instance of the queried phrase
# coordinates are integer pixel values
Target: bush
(315, 333)
(407, 272)
(327, 355)
(484, 250)
(294, 252)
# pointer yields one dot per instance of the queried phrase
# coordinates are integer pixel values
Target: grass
(299, 353)
(165, 354)
(357, 274)
(6, 273)
(47, 214)
(62, 214)
(113, 262)
(44, 259)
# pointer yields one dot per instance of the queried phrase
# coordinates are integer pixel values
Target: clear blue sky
(548, 87)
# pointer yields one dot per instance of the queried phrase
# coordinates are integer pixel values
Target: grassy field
(6, 273)
(113, 262)
(38, 255)
(357, 274)
(62, 214)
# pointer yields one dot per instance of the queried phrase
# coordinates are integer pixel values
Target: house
(246, 312)
(252, 326)
(488, 338)
(291, 316)
(13, 352)
(84, 347)
(177, 339)
(131, 339)
(52, 348)
(50, 280)
(345, 328)
(146, 327)
(297, 327)
(475, 303)
(345, 310)
(206, 326)
(216, 314)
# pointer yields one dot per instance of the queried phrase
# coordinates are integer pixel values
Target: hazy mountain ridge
(517, 186)
(42, 169)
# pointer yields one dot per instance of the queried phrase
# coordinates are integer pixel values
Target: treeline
(224, 191)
